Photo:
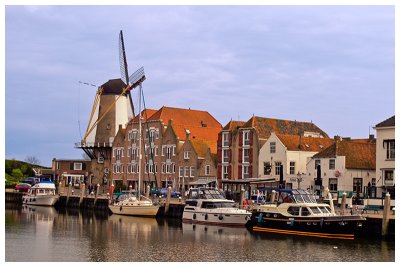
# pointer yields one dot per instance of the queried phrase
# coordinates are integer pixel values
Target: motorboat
(209, 206)
(131, 205)
(41, 194)
(297, 212)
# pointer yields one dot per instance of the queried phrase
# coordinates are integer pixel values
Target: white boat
(134, 207)
(41, 194)
(209, 206)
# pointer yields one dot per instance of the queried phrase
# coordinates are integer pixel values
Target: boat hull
(333, 227)
(224, 219)
(147, 211)
(41, 200)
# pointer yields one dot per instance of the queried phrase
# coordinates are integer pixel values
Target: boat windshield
(216, 205)
(302, 196)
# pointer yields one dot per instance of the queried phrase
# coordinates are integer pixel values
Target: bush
(17, 174)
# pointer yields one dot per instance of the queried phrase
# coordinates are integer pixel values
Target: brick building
(74, 171)
(177, 148)
(239, 143)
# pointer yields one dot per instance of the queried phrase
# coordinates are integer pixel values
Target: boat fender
(194, 216)
(120, 208)
(206, 217)
(260, 217)
(220, 217)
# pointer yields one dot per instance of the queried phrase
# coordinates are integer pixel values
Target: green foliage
(17, 174)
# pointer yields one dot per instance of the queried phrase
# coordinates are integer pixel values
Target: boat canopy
(291, 195)
(205, 193)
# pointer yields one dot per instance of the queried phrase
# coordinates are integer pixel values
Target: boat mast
(140, 137)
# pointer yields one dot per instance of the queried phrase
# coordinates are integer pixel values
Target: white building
(346, 165)
(291, 151)
(385, 156)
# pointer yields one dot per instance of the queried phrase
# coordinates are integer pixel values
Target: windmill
(112, 107)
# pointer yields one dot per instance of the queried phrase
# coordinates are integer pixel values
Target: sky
(332, 65)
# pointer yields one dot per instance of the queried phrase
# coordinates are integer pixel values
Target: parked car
(164, 191)
(30, 180)
(22, 187)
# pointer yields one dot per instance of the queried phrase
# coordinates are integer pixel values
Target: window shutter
(83, 166)
(240, 155)
(230, 172)
(240, 174)
(240, 138)
(230, 138)
(251, 154)
(219, 141)
(230, 155)
(219, 154)
(71, 166)
(219, 171)
(250, 171)
(251, 137)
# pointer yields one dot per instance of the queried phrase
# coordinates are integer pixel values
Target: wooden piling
(168, 200)
(147, 191)
(343, 204)
(386, 214)
(82, 193)
(241, 198)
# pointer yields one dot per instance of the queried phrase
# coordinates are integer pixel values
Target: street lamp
(299, 180)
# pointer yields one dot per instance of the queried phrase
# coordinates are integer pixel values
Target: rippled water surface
(45, 234)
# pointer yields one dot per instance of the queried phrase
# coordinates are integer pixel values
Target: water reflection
(46, 234)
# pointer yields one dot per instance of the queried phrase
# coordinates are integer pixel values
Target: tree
(32, 160)
(17, 174)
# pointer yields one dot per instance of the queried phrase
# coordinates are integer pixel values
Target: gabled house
(239, 143)
(346, 165)
(166, 133)
(291, 151)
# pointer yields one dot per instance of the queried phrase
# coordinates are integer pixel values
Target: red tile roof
(292, 142)
(359, 155)
(264, 127)
(200, 147)
(146, 113)
(201, 124)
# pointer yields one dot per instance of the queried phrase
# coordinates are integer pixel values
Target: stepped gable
(145, 113)
(233, 126)
(200, 147)
(201, 124)
(113, 87)
(295, 143)
(387, 123)
(264, 127)
(359, 155)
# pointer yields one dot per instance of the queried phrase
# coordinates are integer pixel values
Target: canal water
(42, 234)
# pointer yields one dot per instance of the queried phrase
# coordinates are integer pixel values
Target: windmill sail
(124, 68)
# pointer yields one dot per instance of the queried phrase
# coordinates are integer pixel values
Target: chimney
(371, 139)
(337, 138)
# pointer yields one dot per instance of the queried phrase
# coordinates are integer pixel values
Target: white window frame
(292, 168)
(186, 154)
(244, 160)
(278, 167)
(225, 139)
(76, 164)
(192, 171)
(272, 147)
(225, 158)
(225, 172)
(246, 138)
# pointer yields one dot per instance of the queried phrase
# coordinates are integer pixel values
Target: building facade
(385, 156)
(72, 171)
(346, 166)
(239, 144)
(174, 146)
(291, 151)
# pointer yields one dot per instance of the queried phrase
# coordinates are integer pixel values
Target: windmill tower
(112, 107)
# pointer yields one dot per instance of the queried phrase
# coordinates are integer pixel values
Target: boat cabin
(205, 193)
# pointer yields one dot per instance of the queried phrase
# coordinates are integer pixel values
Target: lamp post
(299, 180)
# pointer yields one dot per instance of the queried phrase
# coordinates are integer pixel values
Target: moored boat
(134, 207)
(297, 212)
(209, 206)
(41, 194)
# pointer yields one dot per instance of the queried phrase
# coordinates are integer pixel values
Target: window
(186, 154)
(180, 171)
(333, 184)
(225, 157)
(192, 170)
(292, 167)
(77, 166)
(388, 174)
(207, 170)
(186, 171)
(162, 167)
(272, 147)
(389, 148)
(357, 185)
(246, 138)
(225, 172)
(246, 171)
(169, 152)
(332, 164)
(58, 165)
(246, 155)
(225, 139)
(317, 162)
(168, 168)
(373, 182)
(278, 168)
(267, 168)
(152, 136)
